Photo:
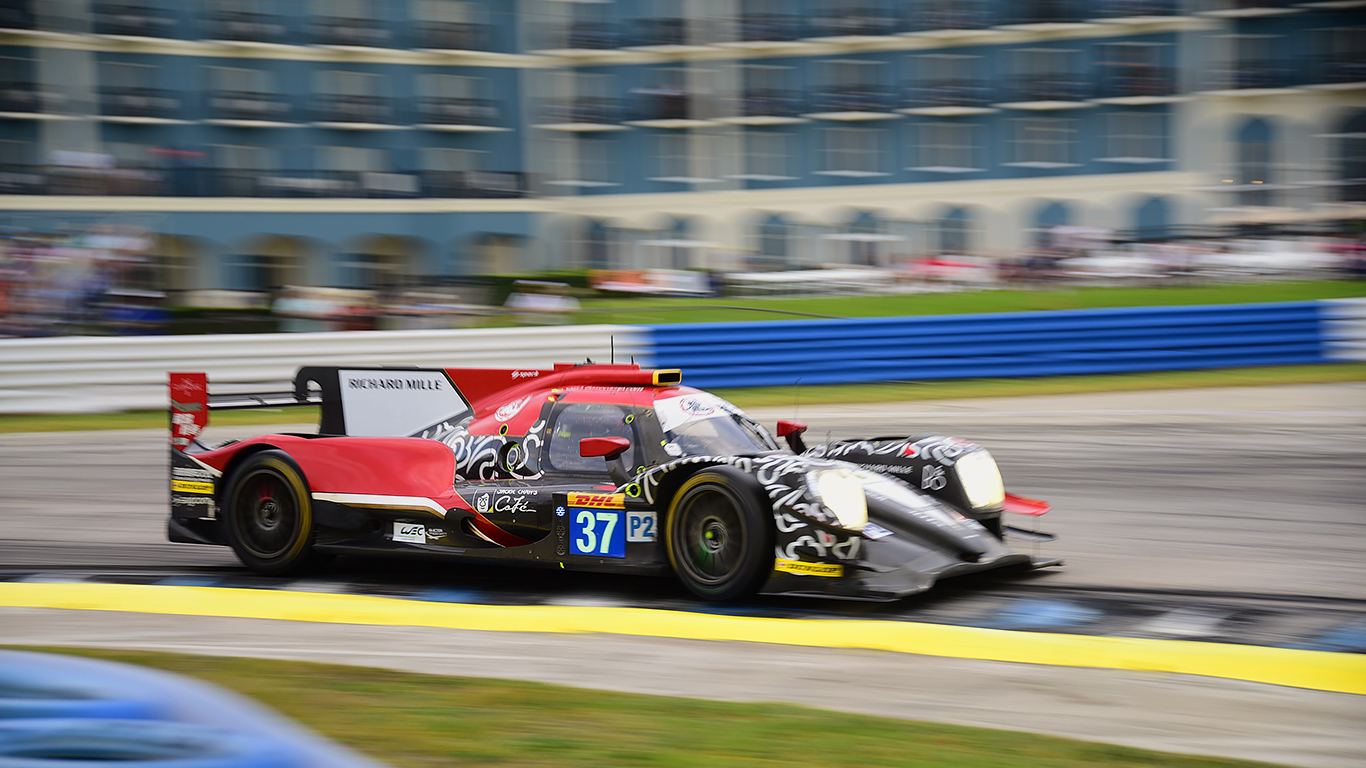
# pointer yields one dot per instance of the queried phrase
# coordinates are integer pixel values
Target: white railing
(1345, 329)
(90, 374)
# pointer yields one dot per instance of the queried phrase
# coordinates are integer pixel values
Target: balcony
(586, 114)
(946, 16)
(453, 36)
(1056, 90)
(486, 184)
(769, 106)
(944, 98)
(21, 98)
(131, 20)
(1339, 70)
(351, 111)
(663, 31)
(855, 22)
(323, 183)
(245, 108)
(139, 104)
(855, 102)
(350, 32)
(1243, 9)
(769, 27)
(588, 36)
(671, 108)
(1250, 76)
(1045, 14)
(244, 26)
(22, 180)
(1110, 10)
(458, 113)
(1136, 84)
(16, 15)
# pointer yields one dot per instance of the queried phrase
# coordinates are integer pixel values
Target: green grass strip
(422, 721)
(757, 397)
(1046, 298)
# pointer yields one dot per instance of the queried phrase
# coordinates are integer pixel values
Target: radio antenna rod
(612, 342)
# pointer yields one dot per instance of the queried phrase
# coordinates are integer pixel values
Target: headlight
(981, 480)
(841, 492)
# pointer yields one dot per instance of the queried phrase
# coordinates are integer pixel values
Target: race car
(587, 467)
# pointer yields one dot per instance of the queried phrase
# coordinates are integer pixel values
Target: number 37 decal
(600, 532)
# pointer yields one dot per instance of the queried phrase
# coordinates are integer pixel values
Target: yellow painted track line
(1318, 670)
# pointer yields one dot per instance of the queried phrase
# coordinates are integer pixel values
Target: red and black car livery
(587, 467)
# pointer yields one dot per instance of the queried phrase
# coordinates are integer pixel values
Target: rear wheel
(719, 538)
(269, 515)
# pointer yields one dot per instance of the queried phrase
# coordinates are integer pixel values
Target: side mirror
(610, 448)
(792, 432)
(607, 447)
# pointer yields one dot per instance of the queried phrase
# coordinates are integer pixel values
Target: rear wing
(373, 402)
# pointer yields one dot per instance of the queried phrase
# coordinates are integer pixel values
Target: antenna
(612, 341)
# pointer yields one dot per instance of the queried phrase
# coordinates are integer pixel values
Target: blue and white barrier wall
(999, 345)
(89, 374)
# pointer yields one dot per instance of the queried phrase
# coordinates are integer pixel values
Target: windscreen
(701, 424)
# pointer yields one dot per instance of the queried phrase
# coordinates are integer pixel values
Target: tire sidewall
(279, 463)
(756, 531)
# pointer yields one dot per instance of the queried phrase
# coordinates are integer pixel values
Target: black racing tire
(719, 535)
(268, 515)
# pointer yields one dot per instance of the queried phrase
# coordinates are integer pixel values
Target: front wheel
(269, 514)
(718, 536)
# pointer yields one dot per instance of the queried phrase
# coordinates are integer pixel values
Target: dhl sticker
(185, 486)
(598, 500)
(803, 568)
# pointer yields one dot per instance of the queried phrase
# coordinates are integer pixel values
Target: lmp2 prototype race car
(585, 467)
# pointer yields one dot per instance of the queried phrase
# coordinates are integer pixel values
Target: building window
(348, 22)
(946, 147)
(1246, 61)
(241, 80)
(946, 80)
(1134, 137)
(238, 170)
(353, 159)
(126, 77)
(352, 97)
(1340, 53)
(583, 161)
(852, 152)
(244, 94)
(1255, 182)
(854, 85)
(767, 91)
(671, 157)
(1042, 142)
(1134, 69)
(449, 25)
(684, 157)
(454, 100)
(1047, 74)
(766, 155)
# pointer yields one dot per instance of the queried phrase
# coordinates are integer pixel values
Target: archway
(1151, 220)
(1351, 160)
(1254, 142)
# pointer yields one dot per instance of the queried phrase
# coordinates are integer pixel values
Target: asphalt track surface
(1229, 514)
